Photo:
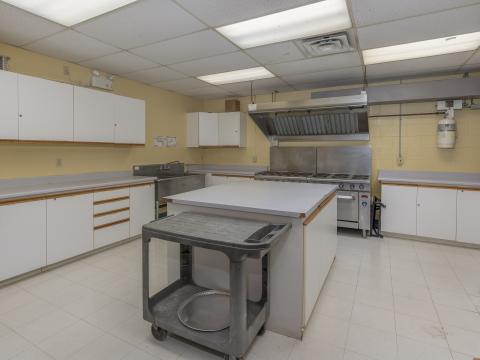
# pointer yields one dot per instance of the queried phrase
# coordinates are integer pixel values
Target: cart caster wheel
(261, 332)
(159, 334)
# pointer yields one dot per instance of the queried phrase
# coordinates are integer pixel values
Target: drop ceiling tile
(327, 78)
(150, 76)
(194, 46)
(208, 92)
(259, 87)
(222, 12)
(71, 46)
(18, 27)
(416, 67)
(276, 53)
(119, 63)
(141, 23)
(437, 25)
(181, 85)
(216, 64)
(475, 59)
(368, 12)
(330, 62)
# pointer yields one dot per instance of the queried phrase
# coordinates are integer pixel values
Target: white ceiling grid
(167, 43)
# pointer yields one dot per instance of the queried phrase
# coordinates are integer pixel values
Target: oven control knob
(361, 186)
(341, 186)
(364, 203)
(352, 186)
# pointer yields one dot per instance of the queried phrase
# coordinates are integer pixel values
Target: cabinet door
(129, 120)
(400, 214)
(192, 129)
(8, 105)
(94, 115)
(69, 227)
(22, 238)
(45, 109)
(229, 129)
(142, 207)
(468, 216)
(208, 129)
(437, 213)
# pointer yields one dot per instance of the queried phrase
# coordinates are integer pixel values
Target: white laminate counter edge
(451, 179)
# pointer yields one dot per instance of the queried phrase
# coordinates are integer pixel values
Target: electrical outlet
(400, 161)
(59, 162)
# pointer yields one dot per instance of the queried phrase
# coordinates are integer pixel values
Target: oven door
(347, 205)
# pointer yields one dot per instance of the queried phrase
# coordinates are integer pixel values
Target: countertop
(264, 197)
(467, 180)
(232, 170)
(12, 189)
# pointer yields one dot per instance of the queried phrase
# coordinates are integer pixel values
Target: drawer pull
(98, 202)
(111, 212)
(111, 224)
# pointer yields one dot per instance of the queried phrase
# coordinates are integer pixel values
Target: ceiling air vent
(325, 45)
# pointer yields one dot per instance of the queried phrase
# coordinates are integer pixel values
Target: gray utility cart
(238, 239)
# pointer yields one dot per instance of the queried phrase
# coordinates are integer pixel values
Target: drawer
(111, 234)
(111, 194)
(111, 206)
(110, 218)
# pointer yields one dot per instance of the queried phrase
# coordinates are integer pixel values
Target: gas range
(296, 176)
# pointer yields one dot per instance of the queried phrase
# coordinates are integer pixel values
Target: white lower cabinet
(468, 216)
(22, 238)
(142, 207)
(111, 234)
(437, 213)
(69, 227)
(400, 214)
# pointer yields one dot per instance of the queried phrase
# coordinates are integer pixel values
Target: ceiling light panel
(237, 76)
(68, 12)
(420, 49)
(322, 17)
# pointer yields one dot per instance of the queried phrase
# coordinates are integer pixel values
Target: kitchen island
(299, 262)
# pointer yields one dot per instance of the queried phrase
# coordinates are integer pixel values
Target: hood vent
(325, 45)
(337, 118)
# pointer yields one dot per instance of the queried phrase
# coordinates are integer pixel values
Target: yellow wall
(419, 147)
(165, 115)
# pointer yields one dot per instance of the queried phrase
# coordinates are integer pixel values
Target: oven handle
(346, 197)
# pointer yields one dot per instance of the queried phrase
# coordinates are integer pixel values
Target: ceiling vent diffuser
(325, 45)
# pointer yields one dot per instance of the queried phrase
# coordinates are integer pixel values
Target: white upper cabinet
(216, 129)
(129, 120)
(437, 213)
(231, 129)
(8, 105)
(45, 109)
(400, 214)
(468, 216)
(94, 115)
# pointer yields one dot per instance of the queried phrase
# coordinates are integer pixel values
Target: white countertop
(11, 189)
(469, 180)
(264, 197)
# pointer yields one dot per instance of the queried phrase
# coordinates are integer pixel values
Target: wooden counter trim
(236, 175)
(98, 227)
(100, 214)
(66, 194)
(426, 185)
(99, 202)
(67, 142)
(324, 203)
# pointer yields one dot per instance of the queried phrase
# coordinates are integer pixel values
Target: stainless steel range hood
(332, 118)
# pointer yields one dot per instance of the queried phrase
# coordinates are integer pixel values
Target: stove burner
(285, 173)
(341, 176)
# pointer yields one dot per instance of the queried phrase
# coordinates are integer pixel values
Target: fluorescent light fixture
(322, 17)
(420, 49)
(68, 12)
(230, 77)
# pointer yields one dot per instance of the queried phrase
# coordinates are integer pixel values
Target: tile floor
(384, 299)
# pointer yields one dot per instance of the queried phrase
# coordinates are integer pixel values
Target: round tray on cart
(207, 311)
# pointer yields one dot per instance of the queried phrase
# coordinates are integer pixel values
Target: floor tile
(326, 329)
(313, 351)
(375, 297)
(373, 317)
(426, 331)
(133, 330)
(25, 314)
(12, 345)
(458, 299)
(338, 289)
(14, 299)
(459, 356)
(463, 341)
(409, 349)
(334, 307)
(170, 349)
(32, 354)
(272, 346)
(63, 345)
(139, 355)
(372, 343)
(113, 314)
(343, 274)
(416, 308)
(467, 320)
(411, 291)
(88, 304)
(106, 347)
(350, 355)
